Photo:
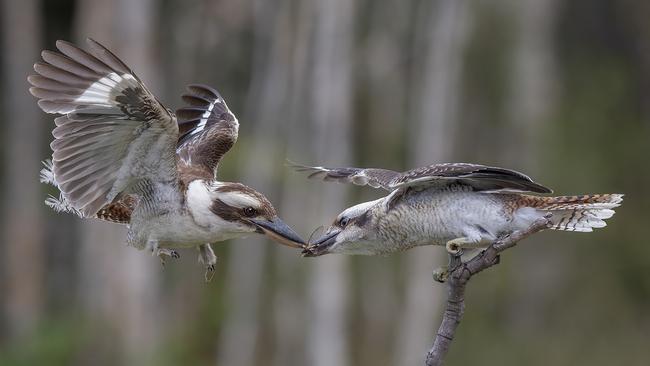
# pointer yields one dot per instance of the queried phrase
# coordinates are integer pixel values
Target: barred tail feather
(578, 213)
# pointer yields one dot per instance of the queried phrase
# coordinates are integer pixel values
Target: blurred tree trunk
(331, 108)
(120, 285)
(436, 102)
(381, 141)
(239, 337)
(23, 251)
(282, 46)
(530, 100)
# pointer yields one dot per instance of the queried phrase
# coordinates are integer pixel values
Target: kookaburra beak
(277, 230)
(321, 245)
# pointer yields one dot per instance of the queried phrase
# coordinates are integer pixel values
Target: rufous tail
(577, 213)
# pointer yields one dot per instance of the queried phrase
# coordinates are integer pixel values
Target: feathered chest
(434, 216)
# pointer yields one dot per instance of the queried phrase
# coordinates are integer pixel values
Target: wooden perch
(459, 274)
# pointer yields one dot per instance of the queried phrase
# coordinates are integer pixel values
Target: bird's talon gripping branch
(454, 248)
(441, 274)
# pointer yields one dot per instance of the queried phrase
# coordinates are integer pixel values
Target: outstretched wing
(479, 177)
(376, 178)
(113, 133)
(208, 129)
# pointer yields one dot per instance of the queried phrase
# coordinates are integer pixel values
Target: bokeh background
(557, 89)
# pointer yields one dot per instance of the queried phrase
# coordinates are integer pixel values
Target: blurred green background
(557, 89)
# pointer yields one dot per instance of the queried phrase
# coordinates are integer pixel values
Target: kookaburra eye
(344, 222)
(250, 212)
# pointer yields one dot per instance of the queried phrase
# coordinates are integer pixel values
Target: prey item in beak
(277, 230)
(321, 245)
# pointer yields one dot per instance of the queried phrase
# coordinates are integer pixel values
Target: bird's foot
(454, 248)
(164, 253)
(209, 259)
(441, 274)
(209, 272)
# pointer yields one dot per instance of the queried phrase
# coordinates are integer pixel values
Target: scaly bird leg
(209, 259)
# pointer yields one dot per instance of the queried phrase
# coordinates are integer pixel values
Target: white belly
(181, 231)
(434, 217)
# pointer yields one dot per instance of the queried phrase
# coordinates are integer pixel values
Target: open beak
(277, 230)
(321, 245)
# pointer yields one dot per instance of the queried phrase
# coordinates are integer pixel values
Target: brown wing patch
(208, 128)
(119, 211)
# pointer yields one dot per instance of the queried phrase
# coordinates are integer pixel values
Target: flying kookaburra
(119, 155)
(461, 206)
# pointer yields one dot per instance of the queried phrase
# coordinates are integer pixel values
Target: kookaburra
(119, 155)
(461, 206)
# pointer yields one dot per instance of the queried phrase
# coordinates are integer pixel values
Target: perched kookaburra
(455, 204)
(119, 155)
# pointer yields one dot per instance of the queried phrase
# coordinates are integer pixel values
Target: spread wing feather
(479, 177)
(208, 129)
(376, 178)
(113, 131)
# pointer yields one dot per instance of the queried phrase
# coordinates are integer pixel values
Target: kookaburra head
(235, 210)
(352, 232)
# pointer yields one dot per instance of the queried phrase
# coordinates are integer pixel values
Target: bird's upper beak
(277, 230)
(322, 245)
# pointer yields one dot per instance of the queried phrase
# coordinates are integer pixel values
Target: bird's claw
(454, 249)
(209, 272)
(441, 274)
(163, 253)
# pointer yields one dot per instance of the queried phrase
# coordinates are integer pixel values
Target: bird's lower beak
(277, 230)
(321, 245)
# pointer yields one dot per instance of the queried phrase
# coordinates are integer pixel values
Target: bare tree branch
(459, 274)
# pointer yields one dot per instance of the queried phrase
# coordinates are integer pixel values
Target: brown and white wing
(376, 178)
(113, 133)
(208, 129)
(479, 177)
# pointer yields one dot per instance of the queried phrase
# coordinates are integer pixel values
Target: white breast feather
(199, 201)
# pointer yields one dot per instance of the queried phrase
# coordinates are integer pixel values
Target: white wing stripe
(100, 92)
(204, 117)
